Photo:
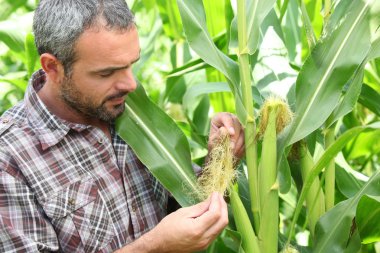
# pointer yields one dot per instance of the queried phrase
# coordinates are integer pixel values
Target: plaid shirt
(66, 187)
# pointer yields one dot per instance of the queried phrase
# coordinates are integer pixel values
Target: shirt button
(5, 121)
(134, 208)
(100, 141)
(71, 202)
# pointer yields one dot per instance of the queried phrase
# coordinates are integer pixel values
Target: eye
(106, 73)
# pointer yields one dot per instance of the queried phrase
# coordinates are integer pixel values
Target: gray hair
(58, 24)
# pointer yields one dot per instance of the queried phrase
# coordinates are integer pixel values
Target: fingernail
(232, 145)
(231, 130)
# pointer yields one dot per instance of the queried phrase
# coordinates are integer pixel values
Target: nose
(126, 81)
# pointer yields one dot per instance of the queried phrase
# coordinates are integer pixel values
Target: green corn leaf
(194, 93)
(195, 27)
(333, 229)
(11, 35)
(331, 64)
(292, 33)
(256, 12)
(215, 16)
(370, 98)
(364, 145)
(159, 144)
(228, 241)
(16, 79)
(189, 67)
(329, 154)
(375, 49)
(347, 183)
(368, 218)
(31, 54)
(8, 7)
(170, 18)
(350, 98)
(310, 35)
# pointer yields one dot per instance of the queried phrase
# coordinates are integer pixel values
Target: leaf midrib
(350, 205)
(329, 69)
(162, 147)
(207, 37)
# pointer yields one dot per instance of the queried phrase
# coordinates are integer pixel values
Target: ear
(52, 67)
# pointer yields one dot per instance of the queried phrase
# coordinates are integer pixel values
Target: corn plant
(329, 74)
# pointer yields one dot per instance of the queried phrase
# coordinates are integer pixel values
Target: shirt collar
(49, 128)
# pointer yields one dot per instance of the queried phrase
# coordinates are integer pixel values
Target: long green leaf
(256, 11)
(368, 218)
(194, 22)
(31, 54)
(9, 7)
(348, 181)
(350, 98)
(329, 154)
(170, 17)
(330, 65)
(159, 144)
(229, 241)
(364, 145)
(215, 16)
(370, 98)
(292, 32)
(375, 49)
(333, 229)
(195, 27)
(191, 96)
(11, 35)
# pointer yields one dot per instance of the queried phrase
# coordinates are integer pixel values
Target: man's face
(102, 75)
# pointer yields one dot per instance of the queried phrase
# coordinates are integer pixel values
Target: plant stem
(268, 188)
(250, 127)
(315, 201)
(330, 171)
(250, 241)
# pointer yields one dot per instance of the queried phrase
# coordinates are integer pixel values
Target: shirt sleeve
(23, 228)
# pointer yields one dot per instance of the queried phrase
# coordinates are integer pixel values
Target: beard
(84, 104)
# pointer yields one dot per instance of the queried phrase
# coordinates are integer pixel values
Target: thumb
(198, 209)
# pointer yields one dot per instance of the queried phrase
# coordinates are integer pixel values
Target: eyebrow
(115, 68)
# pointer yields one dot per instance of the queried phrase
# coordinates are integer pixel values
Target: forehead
(102, 47)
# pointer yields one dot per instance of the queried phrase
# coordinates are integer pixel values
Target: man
(68, 183)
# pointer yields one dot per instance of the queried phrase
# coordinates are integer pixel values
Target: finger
(237, 126)
(215, 136)
(221, 223)
(196, 210)
(223, 119)
(207, 219)
(239, 145)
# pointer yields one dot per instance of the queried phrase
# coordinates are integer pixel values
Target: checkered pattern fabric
(66, 187)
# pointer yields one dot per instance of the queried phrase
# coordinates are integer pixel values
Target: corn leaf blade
(333, 229)
(330, 65)
(195, 27)
(159, 144)
(256, 12)
(368, 218)
(329, 154)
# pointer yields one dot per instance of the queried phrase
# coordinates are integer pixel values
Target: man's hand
(223, 123)
(188, 229)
